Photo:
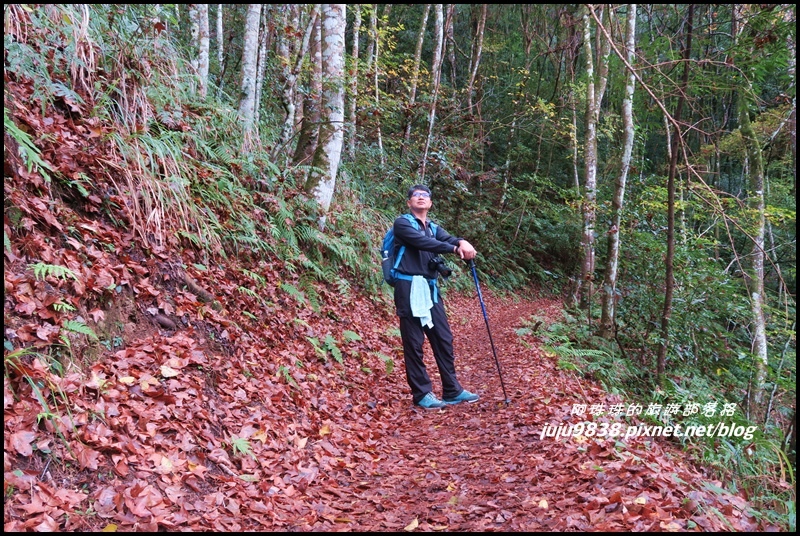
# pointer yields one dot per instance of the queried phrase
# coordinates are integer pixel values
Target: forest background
(637, 161)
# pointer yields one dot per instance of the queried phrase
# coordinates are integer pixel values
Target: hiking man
(419, 303)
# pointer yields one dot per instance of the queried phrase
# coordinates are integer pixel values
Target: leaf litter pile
(160, 392)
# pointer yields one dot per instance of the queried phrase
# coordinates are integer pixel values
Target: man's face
(420, 200)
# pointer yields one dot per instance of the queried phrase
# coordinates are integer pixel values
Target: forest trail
(201, 429)
(485, 466)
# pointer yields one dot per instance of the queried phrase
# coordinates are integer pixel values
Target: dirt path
(484, 466)
(216, 443)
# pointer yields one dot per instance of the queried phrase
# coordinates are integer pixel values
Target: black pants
(441, 340)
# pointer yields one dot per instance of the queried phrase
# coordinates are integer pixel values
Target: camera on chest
(438, 265)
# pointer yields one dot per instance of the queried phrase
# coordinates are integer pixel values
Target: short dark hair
(418, 188)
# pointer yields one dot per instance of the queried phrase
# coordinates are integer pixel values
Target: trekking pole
(486, 319)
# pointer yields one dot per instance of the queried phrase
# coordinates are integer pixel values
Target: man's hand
(466, 251)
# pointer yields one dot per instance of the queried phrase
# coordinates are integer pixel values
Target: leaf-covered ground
(152, 389)
(206, 425)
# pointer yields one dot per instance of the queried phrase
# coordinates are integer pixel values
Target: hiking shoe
(429, 401)
(465, 396)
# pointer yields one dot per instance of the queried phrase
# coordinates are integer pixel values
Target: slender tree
(291, 59)
(353, 102)
(609, 291)
(198, 18)
(595, 89)
(220, 51)
(262, 58)
(322, 178)
(249, 65)
(220, 40)
(312, 107)
(477, 51)
(372, 37)
(450, 40)
(669, 261)
(754, 275)
(436, 74)
(373, 59)
(412, 91)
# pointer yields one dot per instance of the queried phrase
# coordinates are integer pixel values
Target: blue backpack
(390, 262)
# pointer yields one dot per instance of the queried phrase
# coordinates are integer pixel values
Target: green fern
(241, 447)
(256, 277)
(387, 361)
(301, 322)
(331, 346)
(322, 354)
(567, 351)
(342, 285)
(79, 327)
(26, 149)
(62, 306)
(283, 370)
(310, 292)
(294, 292)
(42, 270)
(350, 336)
(249, 292)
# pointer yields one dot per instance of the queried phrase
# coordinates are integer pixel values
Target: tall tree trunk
(372, 36)
(589, 208)
(249, 65)
(669, 268)
(322, 179)
(754, 275)
(204, 50)
(412, 92)
(608, 306)
(198, 19)
(477, 51)
(312, 100)
(291, 58)
(351, 124)
(262, 59)
(375, 71)
(220, 49)
(220, 44)
(450, 41)
(436, 72)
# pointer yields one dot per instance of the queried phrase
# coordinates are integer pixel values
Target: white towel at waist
(421, 300)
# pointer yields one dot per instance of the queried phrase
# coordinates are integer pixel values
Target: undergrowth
(745, 455)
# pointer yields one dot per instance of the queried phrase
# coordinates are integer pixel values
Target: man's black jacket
(421, 246)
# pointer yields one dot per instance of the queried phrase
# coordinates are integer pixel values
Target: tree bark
(436, 72)
(609, 292)
(262, 60)
(754, 275)
(198, 17)
(291, 57)
(249, 65)
(589, 209)
(322, 178)
(450, 41)
(412, 92)
(372, 37)
(677, 140)
(477, 51)
(353, 103)
(312, 101)
(220, 44)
